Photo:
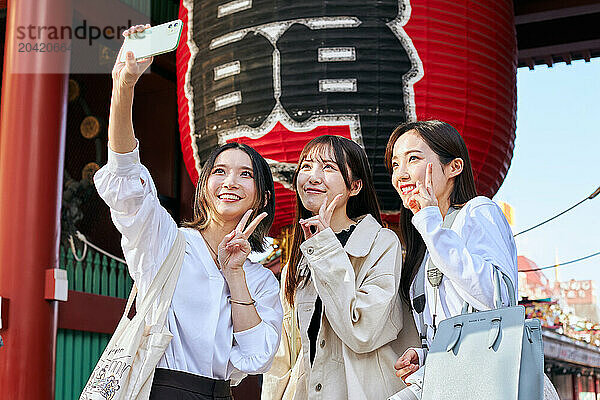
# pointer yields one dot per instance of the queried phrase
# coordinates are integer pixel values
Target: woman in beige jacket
(343, 280)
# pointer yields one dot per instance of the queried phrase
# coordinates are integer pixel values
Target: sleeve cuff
(123, 164)
(426, 219)
(320, 245)
(421, 354)
(251, 341)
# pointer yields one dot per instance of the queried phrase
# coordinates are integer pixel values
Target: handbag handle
(512, 298)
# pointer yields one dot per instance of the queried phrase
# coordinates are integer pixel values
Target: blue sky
(556, 163)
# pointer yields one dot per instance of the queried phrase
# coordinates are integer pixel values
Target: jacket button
(318, 387)
(322, 343)
(310, 250)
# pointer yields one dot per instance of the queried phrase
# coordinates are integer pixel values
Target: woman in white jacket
(342, 278)
(431, 172)
(225, 315)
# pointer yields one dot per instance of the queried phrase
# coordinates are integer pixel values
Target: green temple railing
(77, 352)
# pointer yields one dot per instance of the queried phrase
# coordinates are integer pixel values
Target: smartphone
(155, 40)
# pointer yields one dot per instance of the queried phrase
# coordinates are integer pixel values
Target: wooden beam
(556, 14)
(530, 63)
(90, 312)
(523, 7)
(575, 47)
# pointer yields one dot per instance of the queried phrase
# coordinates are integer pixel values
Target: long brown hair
(446, 142)
(264, 201)
(353, 165)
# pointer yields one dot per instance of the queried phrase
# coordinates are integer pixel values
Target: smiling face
(319, 178)
(411, 154)
(231, 189)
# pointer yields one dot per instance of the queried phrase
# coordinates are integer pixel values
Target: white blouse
(479, 238)
(199, 316)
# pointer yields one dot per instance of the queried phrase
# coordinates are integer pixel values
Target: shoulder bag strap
(169, 269)
(178, 253)
(418, 303)
(434, 275)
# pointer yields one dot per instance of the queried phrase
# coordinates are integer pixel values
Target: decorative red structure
(469, 55)
(32, 137)
(277, 76)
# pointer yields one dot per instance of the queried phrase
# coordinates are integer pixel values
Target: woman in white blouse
(225, 314)
(431, 172)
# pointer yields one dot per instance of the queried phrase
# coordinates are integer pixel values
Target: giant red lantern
(276, 73)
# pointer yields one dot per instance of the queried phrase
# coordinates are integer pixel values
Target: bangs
(319, 151)
(327, 148)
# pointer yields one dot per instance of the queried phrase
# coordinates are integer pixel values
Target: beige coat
(364, 327)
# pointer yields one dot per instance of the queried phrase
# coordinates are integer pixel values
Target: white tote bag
(126, 368)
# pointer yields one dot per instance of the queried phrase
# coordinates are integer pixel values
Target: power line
(560, 264)
(590, 197)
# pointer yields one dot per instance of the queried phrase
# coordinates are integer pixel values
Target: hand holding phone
(126, 73)
(153, 41)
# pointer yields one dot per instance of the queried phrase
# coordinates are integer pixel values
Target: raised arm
(121, 138)
(126, 186)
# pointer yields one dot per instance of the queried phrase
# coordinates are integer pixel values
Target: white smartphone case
(155, 40)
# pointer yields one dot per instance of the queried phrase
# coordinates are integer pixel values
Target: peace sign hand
(318, 223)
(234, 248)
(126, 74)
(423, 196)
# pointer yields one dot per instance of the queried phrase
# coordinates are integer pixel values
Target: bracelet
(230, 300)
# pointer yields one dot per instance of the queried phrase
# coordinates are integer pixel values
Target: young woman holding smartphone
(225, 315)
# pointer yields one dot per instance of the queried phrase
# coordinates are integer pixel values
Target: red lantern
(277, 75)
(469, 55)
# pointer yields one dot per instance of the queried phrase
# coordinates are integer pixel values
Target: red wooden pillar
(576, 385)
(32, 135)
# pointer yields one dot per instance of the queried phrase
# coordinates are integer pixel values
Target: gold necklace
(216, 255)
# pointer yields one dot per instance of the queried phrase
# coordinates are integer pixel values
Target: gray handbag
(491, 355)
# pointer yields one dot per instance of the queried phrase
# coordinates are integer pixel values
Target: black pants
(176, 385)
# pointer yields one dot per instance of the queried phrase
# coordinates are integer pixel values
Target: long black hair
(264, 201)
(446, 142)
(353, 165)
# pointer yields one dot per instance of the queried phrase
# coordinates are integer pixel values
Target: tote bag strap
(434, 275)
(130, 300)
(169, 287)
(170, 268)
(418, 303)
